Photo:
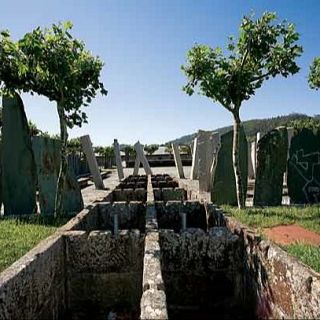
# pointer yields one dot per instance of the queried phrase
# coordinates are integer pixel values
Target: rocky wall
(199, 271)
(34, 286)
(104, 274)
(277, 284)
(131, 215)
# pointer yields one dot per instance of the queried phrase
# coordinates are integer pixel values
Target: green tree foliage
(185, 149)
(107, 153)
(263, 49)
(52, 63)
(151, 148)
(314, 75)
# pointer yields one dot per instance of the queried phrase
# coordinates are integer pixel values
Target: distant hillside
(251, 127)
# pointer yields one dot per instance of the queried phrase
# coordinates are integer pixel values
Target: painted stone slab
(47, 157)
(304, 167)
(224, 182)
(271, 166)
(18, 167)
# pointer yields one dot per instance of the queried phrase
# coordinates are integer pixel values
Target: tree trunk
(63, 162)
(235, 159)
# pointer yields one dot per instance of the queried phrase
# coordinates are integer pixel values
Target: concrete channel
(146, 251)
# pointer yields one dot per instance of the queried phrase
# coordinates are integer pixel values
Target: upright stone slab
(250, 164)
(304, 167)
(272, 162)
(177, 160)
(206, 151)
(92, 161)
(195, 161)
(18, 167)
(47, 157)
(142, 158)
(254, 157)
(224, 182)
(117, 155)
(136, 166)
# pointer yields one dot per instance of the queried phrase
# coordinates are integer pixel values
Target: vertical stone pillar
(19, 175)
(195, 160)
(207, 143)
(141, 156)
(92, 161)
(177, 160)
(253, 157)
(216, 144)
(290, 132)
(258, 137)
(136, 166)
(117, 156)
(250, 164)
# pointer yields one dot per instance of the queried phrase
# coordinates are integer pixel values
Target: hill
(253, 126)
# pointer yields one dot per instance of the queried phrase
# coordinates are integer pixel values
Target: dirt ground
(292, 233)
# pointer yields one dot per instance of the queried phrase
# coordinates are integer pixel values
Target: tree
(314, 75)
(168, 148)
(263, 49)
(151, 148)
(52, 63)
(107, 153)
(185, 148)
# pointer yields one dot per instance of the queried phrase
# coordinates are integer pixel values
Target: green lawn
(307, 253)
(18, 236)
(307, 217)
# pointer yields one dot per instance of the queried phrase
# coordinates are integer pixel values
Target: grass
(307, 217)
(18, 236)
(309, 254)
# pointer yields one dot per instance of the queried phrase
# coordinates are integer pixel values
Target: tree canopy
(314, 75)
(52, 63)
(264, 49)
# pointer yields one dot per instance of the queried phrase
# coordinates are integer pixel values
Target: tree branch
(261, 77)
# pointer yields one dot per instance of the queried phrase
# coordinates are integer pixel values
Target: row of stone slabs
(174, 259)
(134, 188)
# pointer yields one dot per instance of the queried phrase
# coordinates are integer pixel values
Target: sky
(143, 44)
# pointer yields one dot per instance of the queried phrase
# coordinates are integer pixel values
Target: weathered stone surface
(169, 215)
(197, 269)
(104, 273)
(130, 215)
(101, 252)
(304, 167)
(251, 171)
(177, 160)
(224, 184)
(273, 283)
(117, 155)
(169, 194)
(92, 161)
(141, 156)
(47, 157)
(195, 161)
(208, 146)
(19, 175)
(272, 163)
(34, 286)
(153, 305)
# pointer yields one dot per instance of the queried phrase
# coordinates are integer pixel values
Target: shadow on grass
(36, 219)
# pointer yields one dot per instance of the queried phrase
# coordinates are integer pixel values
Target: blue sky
(143, 44)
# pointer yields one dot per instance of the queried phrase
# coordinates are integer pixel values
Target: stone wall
(277, 284)
(104, 273)
(34, 286)
(199, 270)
